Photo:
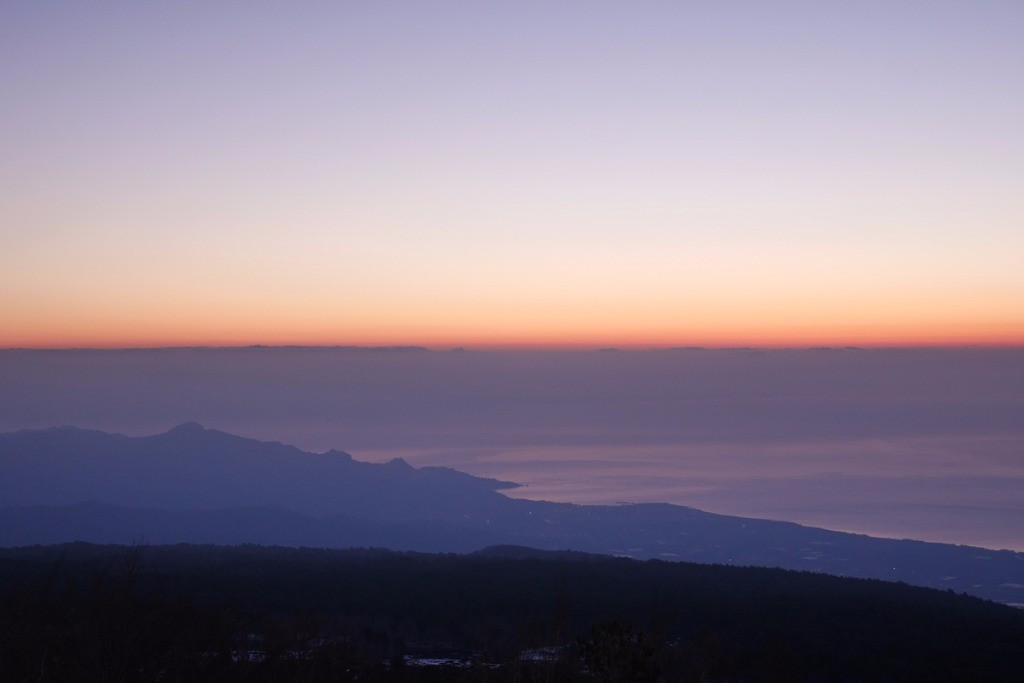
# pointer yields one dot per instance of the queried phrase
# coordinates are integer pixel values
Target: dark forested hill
(259, 613)
(203, 486)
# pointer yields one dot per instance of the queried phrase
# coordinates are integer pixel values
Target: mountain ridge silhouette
(192, 484)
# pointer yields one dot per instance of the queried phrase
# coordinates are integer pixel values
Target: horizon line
(536, 347)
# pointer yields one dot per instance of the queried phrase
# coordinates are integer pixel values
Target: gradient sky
(511, 173)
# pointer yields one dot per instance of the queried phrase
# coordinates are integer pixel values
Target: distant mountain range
(199, 485)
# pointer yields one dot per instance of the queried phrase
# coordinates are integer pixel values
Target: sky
(511, 173)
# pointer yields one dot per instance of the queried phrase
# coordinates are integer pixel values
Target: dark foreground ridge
(252, 613)
(199, 485)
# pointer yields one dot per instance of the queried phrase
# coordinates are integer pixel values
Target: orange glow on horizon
(556, 323)
(877, 339)
(303, 190)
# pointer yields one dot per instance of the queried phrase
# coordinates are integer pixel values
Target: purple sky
(501, 173)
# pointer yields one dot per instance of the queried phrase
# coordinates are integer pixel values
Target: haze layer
(922, 444)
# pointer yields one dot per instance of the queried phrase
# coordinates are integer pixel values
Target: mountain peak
(186, 428)
(341, 455)
(399, 463)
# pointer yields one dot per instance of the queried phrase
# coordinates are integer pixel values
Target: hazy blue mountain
(192, 468)
(204, 486)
